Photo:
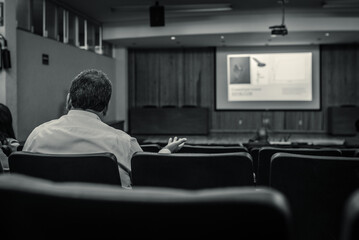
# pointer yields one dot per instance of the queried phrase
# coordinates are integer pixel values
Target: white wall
(122, 85)
(42, 89)
(8, 78)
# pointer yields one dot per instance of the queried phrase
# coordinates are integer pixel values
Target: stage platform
(244, 138)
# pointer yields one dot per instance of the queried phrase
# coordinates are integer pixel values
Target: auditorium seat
(350, 223)
(349, 152)
(211, 149)
(192, 170)
(150, 147)
(37, 208)
(317, 188)
(21, 146)
(93, 167)
(265, 154)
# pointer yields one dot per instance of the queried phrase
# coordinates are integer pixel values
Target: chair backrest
(92, 167)
(265, 154)
(192, 170)
(211, 149)
(350, 218)
(349, 152)
(316, 188)
(254, 153)
(41, 208)
(150, 147)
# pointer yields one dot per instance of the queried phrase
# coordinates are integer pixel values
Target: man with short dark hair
(82, 130)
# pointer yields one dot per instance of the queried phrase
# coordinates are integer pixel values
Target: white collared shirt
(83, 132)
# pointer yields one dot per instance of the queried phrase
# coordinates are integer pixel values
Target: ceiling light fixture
(183, 8)
(280, 29)
(341, 4)
(214, 7)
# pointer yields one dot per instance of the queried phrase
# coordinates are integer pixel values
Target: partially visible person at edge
(8, 142)
(82, 130)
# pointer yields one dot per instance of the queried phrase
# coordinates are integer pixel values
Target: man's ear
(104, 111)
(68, 102)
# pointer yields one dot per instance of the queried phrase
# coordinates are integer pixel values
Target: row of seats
(261, 156)
(34, 207)
(185, 170)
(154, 147)
(181, 170)
(316, 184)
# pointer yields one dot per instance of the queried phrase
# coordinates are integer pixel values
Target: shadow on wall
(62, 106)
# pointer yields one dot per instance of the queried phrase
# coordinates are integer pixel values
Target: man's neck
(99, 114)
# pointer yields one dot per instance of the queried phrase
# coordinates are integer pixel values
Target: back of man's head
(90, 90)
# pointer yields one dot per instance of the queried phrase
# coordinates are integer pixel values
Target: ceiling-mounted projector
(279, 30)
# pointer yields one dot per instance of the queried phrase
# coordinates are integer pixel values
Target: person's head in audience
(6, 129)
(90, 91)
(7, 135)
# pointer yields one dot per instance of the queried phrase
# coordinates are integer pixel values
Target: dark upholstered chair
(150, 147)
(211, 149)
(192, 170)
(316, 188)
(265, 154)
(94, 167)
(349, 152)
(350, 220)
(44, 209)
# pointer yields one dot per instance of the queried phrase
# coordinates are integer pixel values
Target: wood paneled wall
(185, 76)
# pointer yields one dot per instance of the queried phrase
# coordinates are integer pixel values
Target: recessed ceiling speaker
(157, 15)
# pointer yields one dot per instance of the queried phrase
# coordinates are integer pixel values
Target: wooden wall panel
(170, 78)
(195, 71)
(146, 76)
(340, 77)
(340, 72)
(186, 77)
